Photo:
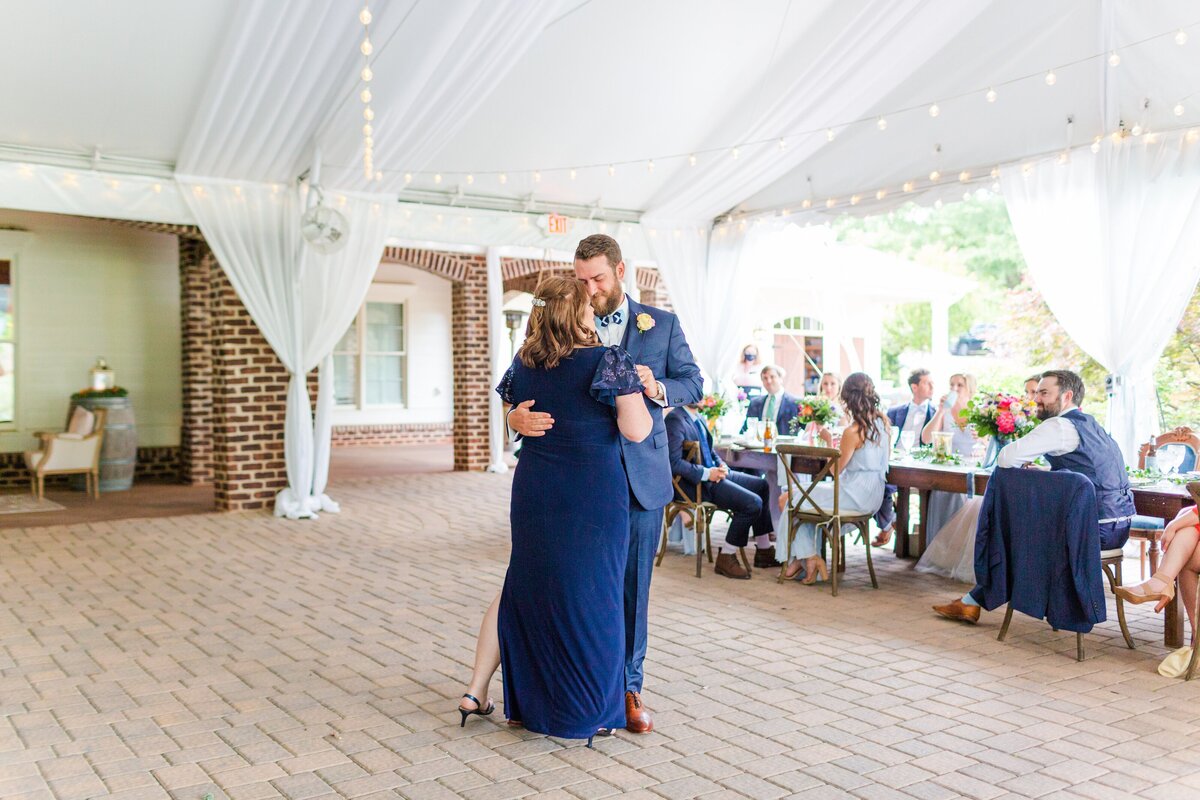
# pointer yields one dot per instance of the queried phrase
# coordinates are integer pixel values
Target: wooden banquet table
(1157, 500)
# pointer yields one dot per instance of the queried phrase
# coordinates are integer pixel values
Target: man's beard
(605, 304)
(1046, 411)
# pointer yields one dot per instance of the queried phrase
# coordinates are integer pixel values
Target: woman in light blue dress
(950, 418)
(863, 468)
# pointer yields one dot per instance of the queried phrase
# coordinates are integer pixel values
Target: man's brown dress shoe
(638, 718)
(958, 610)
(729, 566)
(764, 558)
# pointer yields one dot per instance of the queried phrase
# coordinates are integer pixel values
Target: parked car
(975, 341)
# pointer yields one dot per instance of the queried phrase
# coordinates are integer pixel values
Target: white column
(940, 323)
(873, 344)
(499, 339)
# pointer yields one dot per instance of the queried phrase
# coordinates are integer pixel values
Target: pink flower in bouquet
(741, 395)
(1005, 422)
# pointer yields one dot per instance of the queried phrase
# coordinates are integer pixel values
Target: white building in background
(819, 304)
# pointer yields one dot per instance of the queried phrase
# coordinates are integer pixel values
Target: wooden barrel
(118, 453)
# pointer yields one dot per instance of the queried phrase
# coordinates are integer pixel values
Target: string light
(470, 179)
(882, 193)
(650, 166)
(881, 123)
(408, 177)
(1096, 144)
(537, 177)
(909, 186)
(830, 203)
(1051, 78)
(829, 134)
(964, 176)
(935, 176)
(1178, 109)
(611, 170)
(854, 198)
(1114, 60)
(934, 110)
(572, 173)
(782, 145)
(692, 160)
(1181, 37)
(806, 204)
(502, 177)
(734, 153)
(437, 178)
(366, 48)
(991, 95)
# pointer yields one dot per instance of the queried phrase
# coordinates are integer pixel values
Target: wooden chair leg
(835, 546)
(708, 535)
(96, 484)
(1004, 627)
(789, 536)
(1191, 670)
(745, 560)
(1079, 647)
(41, 487)
(865, 531)
(1142, 559)
(1153, 554)
(699, 523)
(1114, 580)
(668, 519)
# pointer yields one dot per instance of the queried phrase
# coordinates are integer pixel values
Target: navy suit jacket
(788, 409)
(680, 429)
(1045, 562)
(665, 351)
(899, 415)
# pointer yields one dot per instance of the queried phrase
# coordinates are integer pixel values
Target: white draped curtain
(1112, 242)
(709, 272)
(302, 301)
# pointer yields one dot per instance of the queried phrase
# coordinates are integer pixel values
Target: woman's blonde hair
(556, 323)
(969, 379)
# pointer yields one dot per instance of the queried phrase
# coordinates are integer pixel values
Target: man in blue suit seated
(670, 377)
(1070, 440)
(774, 403)
(746, 496)
(911, 417)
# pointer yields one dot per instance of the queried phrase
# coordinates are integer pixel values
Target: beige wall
(86, 288)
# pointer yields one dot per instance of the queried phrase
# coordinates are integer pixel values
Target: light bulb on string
(650, 166)
(880, 194)
(408, 177)
(964, 176)
(909, 186)
(881, 123)
(572, 174)
(934, 110)
(366, 48)
(1114, 59)
(1096, 144)
(367, 129)
(830, 203)
(364, 16)
(612, 170)
(1179, 109)
(1051, 78)
(935, 176)
(734, 152)
(470, 179)
(1137, 129)
(1181, 37)
(995, 173)
(437, 178)
(1192, 136)
(368, 114)
(854, 198)
(829, 134)
(692, 160)
(365, 95)
(806, 204)
(782, 145)
(537, 176)
(366, 74)
(502, 177)
(991, 95)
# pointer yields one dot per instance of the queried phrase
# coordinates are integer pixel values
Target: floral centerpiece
(712, 408)
(112, 391)
(1002, 416)
(814, 408)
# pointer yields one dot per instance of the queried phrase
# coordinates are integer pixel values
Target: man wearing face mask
(745, 375)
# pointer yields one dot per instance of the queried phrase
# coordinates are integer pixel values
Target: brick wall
(196, 268)
(249, 396)
(472, 370)
(400, 434)
(159, 464)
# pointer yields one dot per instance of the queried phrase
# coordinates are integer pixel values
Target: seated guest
(950, 417)
(1181, 559)
(745, 374)
(910, 417)
(743, 495)
(1070, 440)
(1031, 384)
(863, 466)
(774, 404)
(831, 387)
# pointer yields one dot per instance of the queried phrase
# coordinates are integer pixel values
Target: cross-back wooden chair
(702, 513)
(1148, 531)
(816, 464)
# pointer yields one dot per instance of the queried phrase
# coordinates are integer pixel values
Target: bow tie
(613, 318)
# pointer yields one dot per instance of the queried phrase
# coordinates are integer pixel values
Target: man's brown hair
(599, 245)
(556, 324)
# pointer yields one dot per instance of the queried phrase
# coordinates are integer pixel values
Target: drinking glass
(907, 440)
(1169, 459)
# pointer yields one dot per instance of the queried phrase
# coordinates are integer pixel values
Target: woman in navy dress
(561, 631)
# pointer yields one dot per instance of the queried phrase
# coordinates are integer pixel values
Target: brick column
(471, 350)
(249, 392)
(196, 265)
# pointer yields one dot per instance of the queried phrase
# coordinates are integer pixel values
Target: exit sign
(557, 224)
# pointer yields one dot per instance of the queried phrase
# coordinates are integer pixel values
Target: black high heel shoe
(478, 709)
(601, 732)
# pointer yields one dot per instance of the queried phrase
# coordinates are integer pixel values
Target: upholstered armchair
(75, 451)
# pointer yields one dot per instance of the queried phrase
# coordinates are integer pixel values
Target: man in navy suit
(773, 403)
(670, 377)
(745, 496)
(911, 416)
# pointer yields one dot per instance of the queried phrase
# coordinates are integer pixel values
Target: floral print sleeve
(504, 388)
(615, 375)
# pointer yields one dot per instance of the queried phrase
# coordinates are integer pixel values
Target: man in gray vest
(1074, 441)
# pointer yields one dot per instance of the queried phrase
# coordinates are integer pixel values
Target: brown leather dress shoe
(729, 566)
(764, 558)
(638, 718)
(960, 611)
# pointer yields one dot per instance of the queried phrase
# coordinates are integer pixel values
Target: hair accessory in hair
(539, 302)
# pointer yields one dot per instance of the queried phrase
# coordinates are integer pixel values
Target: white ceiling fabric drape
(1110, 240)
(302, 301)
(875, 51)
(710, 274)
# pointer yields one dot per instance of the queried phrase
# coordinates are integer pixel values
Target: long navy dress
(561, 624)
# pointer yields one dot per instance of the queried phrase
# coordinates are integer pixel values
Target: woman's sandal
(600, 732)
(820, 570)
(1137, 594)
(882, 540)
(478, 709)
(791, 572)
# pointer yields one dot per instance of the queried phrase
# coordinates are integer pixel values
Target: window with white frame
(8, 344)
(371, 360)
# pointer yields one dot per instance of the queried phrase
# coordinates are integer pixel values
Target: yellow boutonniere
(644, 322)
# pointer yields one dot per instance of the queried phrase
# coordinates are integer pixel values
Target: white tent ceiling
(246, 90)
